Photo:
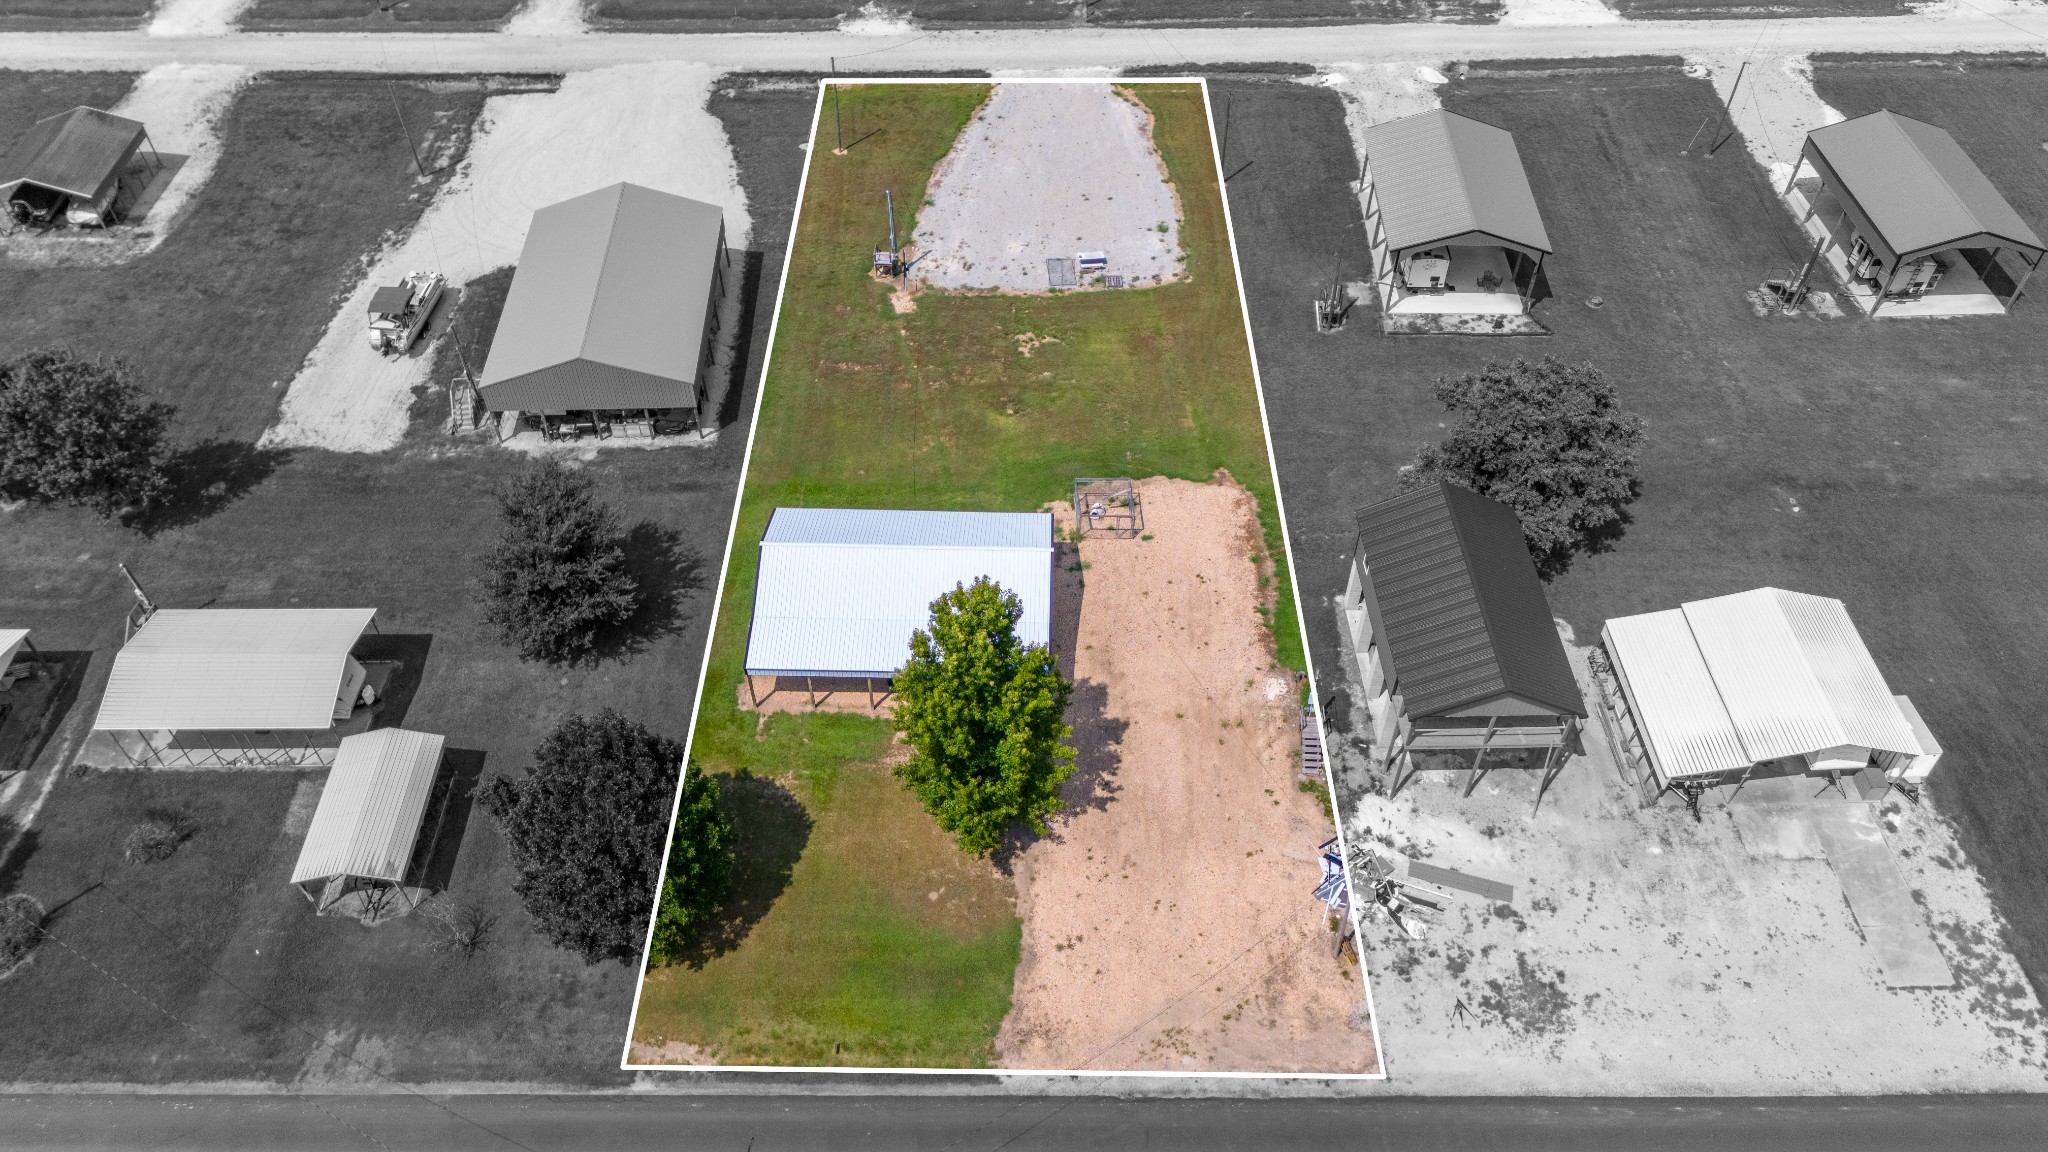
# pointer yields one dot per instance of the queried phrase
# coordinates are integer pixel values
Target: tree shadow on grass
(667, 571)
(1098, 754)
(205, 478)
(773, 829)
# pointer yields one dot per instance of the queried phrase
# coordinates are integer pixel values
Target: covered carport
(237, 687)
(1756, 686)
(1450, 217)
(612, 317)
(368, 820)
(1908, 222)
(840, 590)
(69, 168)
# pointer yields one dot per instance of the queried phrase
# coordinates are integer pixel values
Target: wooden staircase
(1311, 746)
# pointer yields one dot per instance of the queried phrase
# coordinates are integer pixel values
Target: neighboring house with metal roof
(70, 166)
(1760, 684)
(1455, 643)
(225, 687)
(839, 590)
(612, 315)
(1908, 215)
(1450, 216)
(368, 820)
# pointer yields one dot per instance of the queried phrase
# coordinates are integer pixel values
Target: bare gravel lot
(1046, 170)
(1168, 921)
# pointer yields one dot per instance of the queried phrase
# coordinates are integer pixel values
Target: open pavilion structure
(1454, 640)
(1908, 222)
(1758, 685)
(367, 823)
(1450, 217)
(612, 317)
(70, 168)
(840, 590)
(237, 687)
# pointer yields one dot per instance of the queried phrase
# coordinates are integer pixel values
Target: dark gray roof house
(1458, 603)
(79, 154)
(613, 306)
(1442, 178)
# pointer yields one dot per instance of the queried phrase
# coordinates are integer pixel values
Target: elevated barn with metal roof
(1756, 684)
(1454, 638)
(613, 311)
(73, 160)
(839, 590)
(1450, 216)
(1909, 208)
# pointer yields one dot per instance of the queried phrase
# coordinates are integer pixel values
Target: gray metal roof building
(79, 153)
(1442, 178)
(1458, 606)
(1911, 190)
(840, 590)
(611, 305)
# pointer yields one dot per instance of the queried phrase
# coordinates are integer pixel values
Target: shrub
(584, 830)
(156, 837)
(466, 930)
(79, 431)
(557, 574)
(21, 925)
(700, 863)
(1548, 440)
(984, 715)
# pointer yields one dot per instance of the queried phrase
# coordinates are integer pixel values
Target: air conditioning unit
(1921, 275)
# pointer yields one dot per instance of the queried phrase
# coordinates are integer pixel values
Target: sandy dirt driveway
(1169, 922)
(1049, 170)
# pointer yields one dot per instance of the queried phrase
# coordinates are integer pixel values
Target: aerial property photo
(1005, 695)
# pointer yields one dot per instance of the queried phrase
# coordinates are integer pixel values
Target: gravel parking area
(1045, 171)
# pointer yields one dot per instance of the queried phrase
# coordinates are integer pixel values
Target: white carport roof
(1735, 680)
(232, 669)
(370, 810)
(11, 640)
(840, 590)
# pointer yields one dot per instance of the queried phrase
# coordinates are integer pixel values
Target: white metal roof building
(840, 590)
(234, 669)
(1717, 686)
(368, 819)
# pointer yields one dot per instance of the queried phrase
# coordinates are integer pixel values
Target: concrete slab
(1776, 832)
(1908, 956)
(1892, 923)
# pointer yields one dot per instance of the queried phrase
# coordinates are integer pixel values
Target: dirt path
(1169, 922)
(646, 124)
(1047, 170)
(195, 17)
(550, 18)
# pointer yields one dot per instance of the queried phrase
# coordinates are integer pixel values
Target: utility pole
(1727, 110)
(392, 90)
(838, 131)
(889, 198)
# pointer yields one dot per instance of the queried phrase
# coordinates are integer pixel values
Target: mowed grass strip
(886, 941)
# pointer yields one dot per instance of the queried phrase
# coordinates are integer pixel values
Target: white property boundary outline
(626, 1062)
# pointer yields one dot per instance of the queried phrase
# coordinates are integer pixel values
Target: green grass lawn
(72, 15)
(1896, 465)
(315, 173)
(1753, 9)
(428, 15)
(935, 409)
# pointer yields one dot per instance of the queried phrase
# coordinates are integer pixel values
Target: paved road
(1018, 50)
(985, 1124)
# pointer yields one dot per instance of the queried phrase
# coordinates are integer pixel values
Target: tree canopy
(584, 827)
(700, 863)
(984, 714)
(557, 574)
(80, 431)
(1547, 439)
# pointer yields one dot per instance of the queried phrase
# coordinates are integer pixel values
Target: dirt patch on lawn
(1168, 920)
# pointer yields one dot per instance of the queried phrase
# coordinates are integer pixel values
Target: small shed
(368, 819)
(1453, 635)
(1906, 214)
(1450, 216)
(1760, 684)
(612, 316)
(224, 687)
(70, 167)
(840, 590)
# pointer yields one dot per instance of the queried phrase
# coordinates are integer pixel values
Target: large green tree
(700, 862)
(1547, 439)
(79, 430)
(557, 574)
(985, 717)
(585, 828)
